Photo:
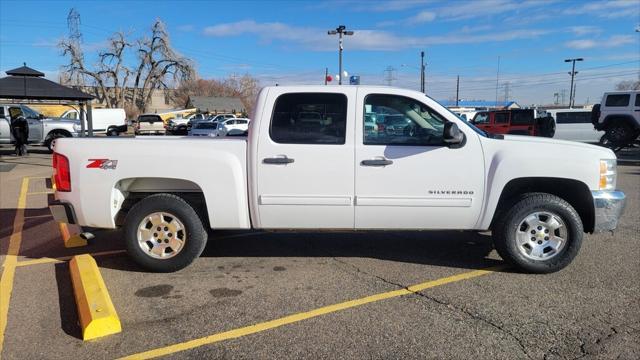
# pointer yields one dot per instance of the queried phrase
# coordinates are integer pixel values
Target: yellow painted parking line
(96, 312)
(9, 266)
(272, 324)
(65, 258)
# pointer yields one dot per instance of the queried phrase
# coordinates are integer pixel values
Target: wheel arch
(129, 191)
(627, 119)
(575, 192)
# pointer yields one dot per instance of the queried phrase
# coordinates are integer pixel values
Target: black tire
(506, 228)
(112, 132)
(620, 134)
(48, 142)
(195, 237)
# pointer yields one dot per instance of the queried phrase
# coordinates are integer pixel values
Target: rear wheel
(112, 131)
(540, 233)
(163, 233)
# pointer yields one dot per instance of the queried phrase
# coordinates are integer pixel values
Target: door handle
(282, 159)
(376, 162)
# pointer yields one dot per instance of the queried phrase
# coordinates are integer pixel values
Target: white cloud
(422, 17)
(186, 28)
(581, 44)
(607, 9)
(611, 42)
(585, 30)
(374, 40)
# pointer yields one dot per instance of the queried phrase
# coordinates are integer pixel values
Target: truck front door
(411, 180)
(304, 160)
(35, 125)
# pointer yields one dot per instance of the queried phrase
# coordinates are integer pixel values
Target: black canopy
(27, 83)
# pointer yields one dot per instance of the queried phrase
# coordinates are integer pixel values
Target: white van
(109, 121)
(574, 125)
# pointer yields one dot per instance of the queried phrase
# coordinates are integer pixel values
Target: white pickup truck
(420, 168)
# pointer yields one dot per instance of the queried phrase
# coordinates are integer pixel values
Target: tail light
(380, 127)
(62, 175)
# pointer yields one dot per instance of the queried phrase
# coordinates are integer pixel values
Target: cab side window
(481, 118)
(309, 118)
(398, 120)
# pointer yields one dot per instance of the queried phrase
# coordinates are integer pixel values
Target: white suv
(619, 116)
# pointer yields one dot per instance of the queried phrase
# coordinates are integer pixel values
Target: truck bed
(109, 168)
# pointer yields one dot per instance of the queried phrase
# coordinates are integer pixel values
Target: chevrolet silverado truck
(329, 171)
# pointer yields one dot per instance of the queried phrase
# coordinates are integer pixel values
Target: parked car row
(195, 125)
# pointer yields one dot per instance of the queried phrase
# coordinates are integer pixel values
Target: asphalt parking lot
(281, 295)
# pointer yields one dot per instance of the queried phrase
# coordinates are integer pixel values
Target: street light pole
(340, 30)
(422, 74)
(572, 90)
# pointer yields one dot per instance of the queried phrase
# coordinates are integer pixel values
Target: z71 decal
(104, 164)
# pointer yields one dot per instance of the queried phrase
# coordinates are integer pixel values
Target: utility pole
(497, 80)
(389, 75)
(326, 75)
(340, 30)
(422, 74)
(457, 90)
(573, 74)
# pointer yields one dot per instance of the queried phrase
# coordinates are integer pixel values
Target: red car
(514, 122)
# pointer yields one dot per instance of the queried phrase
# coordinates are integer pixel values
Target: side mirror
(40, 116)
(452, 136)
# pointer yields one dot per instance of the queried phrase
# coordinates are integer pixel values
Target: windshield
(29, 113)
(480, 132)
(206, 125)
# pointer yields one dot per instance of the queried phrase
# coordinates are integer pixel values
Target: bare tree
(628, 85)
(157, 65)
(244, 87)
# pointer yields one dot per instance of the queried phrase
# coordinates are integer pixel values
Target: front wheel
(540, 233)
(163, 233)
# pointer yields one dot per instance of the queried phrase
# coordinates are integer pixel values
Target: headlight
(77, 127)
(607, 174)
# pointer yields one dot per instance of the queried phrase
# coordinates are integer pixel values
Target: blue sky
(286, 41)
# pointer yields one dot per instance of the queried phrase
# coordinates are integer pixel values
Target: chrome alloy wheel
(161, 235)
(541, 235)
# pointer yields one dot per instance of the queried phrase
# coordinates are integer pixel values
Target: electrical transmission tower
(563, 95)
(507, 90)
(75, 37)
(390, 75)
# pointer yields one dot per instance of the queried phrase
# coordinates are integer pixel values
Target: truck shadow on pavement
(466, 250)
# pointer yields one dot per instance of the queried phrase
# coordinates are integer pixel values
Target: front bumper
(62, 212)
(608, 207)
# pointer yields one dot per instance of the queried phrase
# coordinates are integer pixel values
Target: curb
(96, 312)
(71, 241)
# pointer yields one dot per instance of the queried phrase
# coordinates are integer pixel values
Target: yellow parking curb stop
(96, 312)
(71, 235)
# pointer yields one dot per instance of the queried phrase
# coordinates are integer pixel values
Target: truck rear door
(305, 160)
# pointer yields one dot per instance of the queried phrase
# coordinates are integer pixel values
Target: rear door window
(618, 100)
(309, 118)
(149, 118)
(501, 118)
(522, 118)
(638, 100)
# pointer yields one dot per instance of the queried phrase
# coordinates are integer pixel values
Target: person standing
(20, 131)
